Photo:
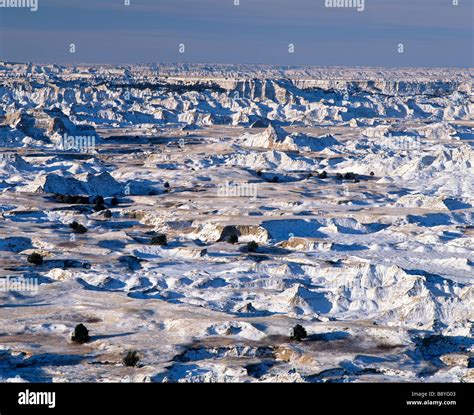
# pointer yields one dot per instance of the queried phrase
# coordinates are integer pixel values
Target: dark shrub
(35, 258)
(99, 204)
(71, 199)
(65, 198)
(298, 333)
(233, 239)
(99, 208)
(159, 240)
(131, 359)
(80, 334)
(252, 246)
(77, 228)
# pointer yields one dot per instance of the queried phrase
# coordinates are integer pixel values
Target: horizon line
(276, 66)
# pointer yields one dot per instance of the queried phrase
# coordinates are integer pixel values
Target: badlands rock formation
(357, 186)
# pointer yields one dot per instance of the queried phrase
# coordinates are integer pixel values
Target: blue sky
(434, 32)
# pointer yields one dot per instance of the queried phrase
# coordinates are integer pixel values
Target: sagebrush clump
(99, 204)
(35, 259)
(298, 333)
(80, 335)
(160, 240)
(131, 359)
(78, 228)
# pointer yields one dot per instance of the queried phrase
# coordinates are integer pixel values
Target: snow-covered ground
(357, 186)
